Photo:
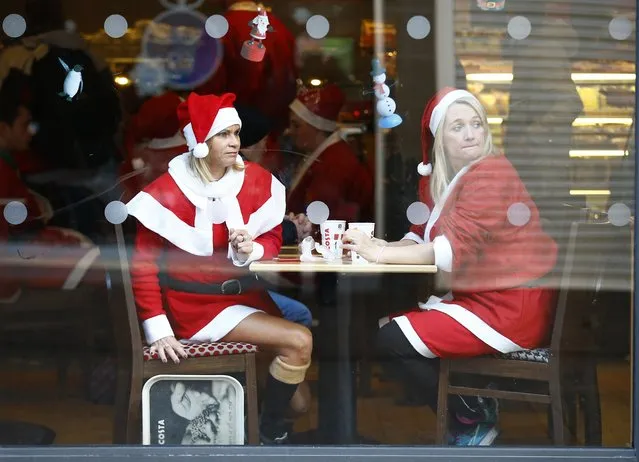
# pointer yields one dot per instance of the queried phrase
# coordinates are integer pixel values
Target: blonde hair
(202, 168)
(442, 171)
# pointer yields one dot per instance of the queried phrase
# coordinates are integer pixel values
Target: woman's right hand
(168, 346)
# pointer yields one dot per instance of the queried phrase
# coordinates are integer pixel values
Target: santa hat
(319, 107)
(204, 116)
(433, 116)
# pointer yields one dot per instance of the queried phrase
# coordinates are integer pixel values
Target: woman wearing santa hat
(200, 225)
(484, 230)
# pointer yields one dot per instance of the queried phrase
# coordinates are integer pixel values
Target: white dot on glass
(418, 213)
(317, 212)
(301, 15)
(33, 128)
(216, 26)
(418, 27)
(620, 28)
(115, 212)
(69, 25)
(14, 25)
(518, 214)
(218, 212)
(317, 26)
(619, 214)
(115, 26)
(519, 27)
(15, 212)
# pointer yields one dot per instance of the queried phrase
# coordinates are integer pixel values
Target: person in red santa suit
(24, 215)
(269, 84)
(153, 137)
(206, 220)
(331, 171)
(484, 230)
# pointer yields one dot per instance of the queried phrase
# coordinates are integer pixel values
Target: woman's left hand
(241, 241)
(361, 243)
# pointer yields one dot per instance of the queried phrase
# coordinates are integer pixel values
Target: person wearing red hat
(152, 139)
(206, 220)
(484, 230)
(331, 171)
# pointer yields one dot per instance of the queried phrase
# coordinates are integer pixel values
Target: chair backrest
(597, 259)
(123, 311)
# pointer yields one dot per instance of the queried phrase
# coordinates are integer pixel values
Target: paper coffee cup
(366, 228)
(332, 234)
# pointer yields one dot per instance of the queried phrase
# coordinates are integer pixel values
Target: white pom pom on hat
(204, 116)
(434, 113)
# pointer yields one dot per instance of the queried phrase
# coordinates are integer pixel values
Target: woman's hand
(241, 241)
(356, 240)
(168, 346)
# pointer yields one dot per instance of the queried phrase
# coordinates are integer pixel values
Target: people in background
(202, 223)
(484, 231)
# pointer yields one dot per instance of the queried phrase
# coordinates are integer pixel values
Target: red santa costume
(486, 233)
(183, 234)
(153, 138)
(332, 173)
(51, 257)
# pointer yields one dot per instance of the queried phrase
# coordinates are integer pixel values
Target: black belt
(228, 287)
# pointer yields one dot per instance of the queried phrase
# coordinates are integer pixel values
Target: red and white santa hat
(319, 107)
(433, 116)
(204, 116)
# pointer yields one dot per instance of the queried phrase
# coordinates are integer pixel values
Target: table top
(292, 264)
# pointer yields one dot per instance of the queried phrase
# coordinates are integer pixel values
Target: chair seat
(538, 355)
(198, 350)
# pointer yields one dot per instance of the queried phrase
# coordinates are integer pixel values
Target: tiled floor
(30, 394)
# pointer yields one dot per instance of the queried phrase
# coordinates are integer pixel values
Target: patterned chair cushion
(198, 350)
(538, 355)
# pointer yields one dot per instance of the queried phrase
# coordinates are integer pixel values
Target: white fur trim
(12, 298)
(437, 210)
(477, 326)
(156, 328)
(201, 150)
(310, 117)
(411, 236)
(271, 213)
(223, 323)
(238, 260)
(162, 221)
(225, 117)
(80, 269)
(410, 334)
(166, 143)
(440, 109)
(381, 322)
(443, 253)
(424, 170)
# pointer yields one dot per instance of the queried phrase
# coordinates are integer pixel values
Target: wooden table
(337, 404)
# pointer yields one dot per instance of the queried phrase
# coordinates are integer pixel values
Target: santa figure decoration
(253, 49)
(385, 105)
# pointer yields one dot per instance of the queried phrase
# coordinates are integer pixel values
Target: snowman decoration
(385, 105)
(72, 82)
(253, 49)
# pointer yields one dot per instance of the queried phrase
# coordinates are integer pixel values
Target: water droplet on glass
(620, 28)
(418, 213)
(418, 27)
(317, 26)
(115, 26)
(519, 27)
(301, 15)
(619, 214)
(216, 26)
(317, 212)
(115, 212)
(518, 214)
(15, 212)
(14, 25)
(70, 25)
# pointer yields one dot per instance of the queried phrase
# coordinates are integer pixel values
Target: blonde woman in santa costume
(483, 230)
(200, 225)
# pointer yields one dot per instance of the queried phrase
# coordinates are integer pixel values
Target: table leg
(337, 402)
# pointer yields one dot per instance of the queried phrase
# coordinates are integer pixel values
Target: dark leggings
(419, 375)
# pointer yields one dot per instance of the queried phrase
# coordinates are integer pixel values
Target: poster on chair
(192, 410)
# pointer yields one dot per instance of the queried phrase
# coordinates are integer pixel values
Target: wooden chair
(567, 369)
(135, 364)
